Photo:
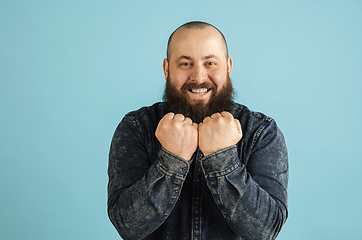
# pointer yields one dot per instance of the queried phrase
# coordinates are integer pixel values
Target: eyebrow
(190, 58)
(210, 56)
(184, 57)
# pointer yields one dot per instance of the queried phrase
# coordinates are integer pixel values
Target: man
(198, 165)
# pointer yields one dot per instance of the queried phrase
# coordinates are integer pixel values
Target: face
(176, 101)
(198, 66)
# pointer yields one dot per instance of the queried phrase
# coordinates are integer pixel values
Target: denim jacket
(239, 192)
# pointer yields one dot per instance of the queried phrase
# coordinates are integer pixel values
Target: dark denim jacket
(236, 193)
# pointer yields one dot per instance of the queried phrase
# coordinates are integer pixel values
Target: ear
(165, 68)
(230, 65)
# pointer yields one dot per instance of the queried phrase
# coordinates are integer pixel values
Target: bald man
(197, 165)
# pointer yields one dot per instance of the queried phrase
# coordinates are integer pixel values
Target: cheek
(178, 79)
(219, 79)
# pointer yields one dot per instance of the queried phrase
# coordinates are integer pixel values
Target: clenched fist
(219, 131)
(178, 135)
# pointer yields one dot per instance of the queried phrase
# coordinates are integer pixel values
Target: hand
(178, 135)
(218, 132)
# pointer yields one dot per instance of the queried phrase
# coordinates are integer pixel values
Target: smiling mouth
(199, 91)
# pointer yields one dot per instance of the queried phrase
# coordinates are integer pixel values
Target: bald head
(194, 25)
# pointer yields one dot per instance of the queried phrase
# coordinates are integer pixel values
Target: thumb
(238, 126)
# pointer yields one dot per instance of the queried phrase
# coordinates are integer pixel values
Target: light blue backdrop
(70, 70)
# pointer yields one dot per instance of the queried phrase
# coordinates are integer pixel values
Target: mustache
(192, 85)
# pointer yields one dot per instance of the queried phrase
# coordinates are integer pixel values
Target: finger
(215, 115)
(179, 117)
(238, 125)
(226, 114)
(169, 116)
(206, 119)
(188, 120)
(196, 126)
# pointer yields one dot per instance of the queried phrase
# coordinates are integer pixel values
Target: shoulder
(242, 112)
(154, 111)
(258, 129)
(144, 119)
(254, 124)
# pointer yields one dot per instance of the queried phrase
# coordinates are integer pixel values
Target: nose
(198, 74)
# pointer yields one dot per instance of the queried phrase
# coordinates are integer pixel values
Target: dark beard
(176, 101)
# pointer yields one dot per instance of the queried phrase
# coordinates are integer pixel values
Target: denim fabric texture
(236, 193)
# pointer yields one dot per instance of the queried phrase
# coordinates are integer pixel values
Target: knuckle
(215, 115)
(207, 118)
(227, 115)
(175, 124)
(170, 115)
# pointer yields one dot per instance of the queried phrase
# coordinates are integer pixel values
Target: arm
(141, 192)
(252, 197)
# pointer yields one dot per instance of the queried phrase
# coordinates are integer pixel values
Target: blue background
(70, 70)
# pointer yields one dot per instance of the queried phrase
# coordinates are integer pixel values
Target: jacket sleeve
(251, 197)
(141, 192)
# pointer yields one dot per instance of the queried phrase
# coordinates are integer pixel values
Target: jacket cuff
(171, 164)
(221, 162)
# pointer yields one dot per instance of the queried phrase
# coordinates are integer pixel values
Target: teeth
(199, 90)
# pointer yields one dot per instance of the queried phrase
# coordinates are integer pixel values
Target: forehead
(196, 42)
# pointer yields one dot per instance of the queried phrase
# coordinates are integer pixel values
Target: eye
(211, 64)
(185, 64)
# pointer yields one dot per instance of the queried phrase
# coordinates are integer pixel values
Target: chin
(198, 102)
